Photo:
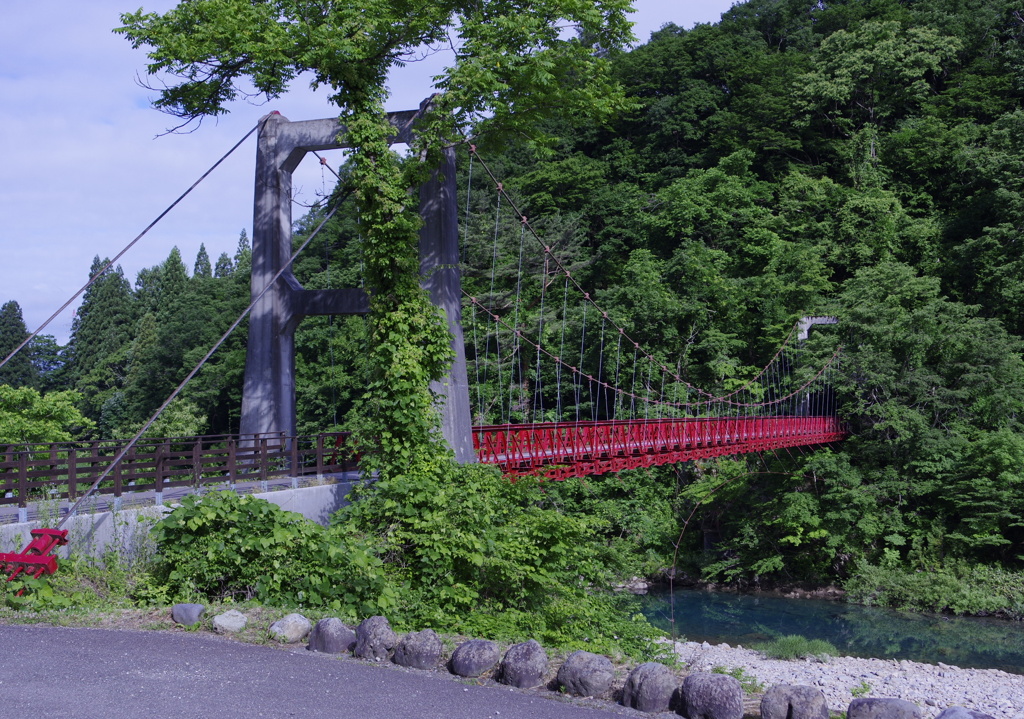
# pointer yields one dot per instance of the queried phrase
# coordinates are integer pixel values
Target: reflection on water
(854, 630)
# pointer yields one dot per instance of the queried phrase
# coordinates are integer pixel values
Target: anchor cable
(195, 370)
(127, 247)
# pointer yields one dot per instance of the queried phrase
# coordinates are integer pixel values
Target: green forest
(856, 158)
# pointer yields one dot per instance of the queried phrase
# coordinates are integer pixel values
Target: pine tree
(19, 372)
(163, 336)
(143, 381)
(224, 266)
(147, 289)
(50, 362)
(100, 335)
(243, 254)
(202, 267)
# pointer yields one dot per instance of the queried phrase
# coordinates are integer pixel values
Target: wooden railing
(64, 470)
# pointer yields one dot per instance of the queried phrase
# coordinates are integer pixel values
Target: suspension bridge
(627, 409)
(561, 389)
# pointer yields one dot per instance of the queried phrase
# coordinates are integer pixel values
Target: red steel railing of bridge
(559, 450)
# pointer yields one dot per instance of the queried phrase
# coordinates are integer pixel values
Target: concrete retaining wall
(127, 531)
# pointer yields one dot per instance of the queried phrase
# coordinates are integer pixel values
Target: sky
(87, 164)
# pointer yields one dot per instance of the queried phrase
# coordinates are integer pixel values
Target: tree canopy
(28, 417)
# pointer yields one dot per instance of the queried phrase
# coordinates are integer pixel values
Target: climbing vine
(409, 340)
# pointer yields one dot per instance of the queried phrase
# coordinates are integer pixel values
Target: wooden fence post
(197, 465)
(232, 461)
(263, 464)
(23, 479)
(72, 472)
(158, 466)
(117, 478)
(319, 456)
(294, 459)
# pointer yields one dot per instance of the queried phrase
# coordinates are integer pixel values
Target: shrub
(442, 546)
(227, 546)
(474, 552)
(955, 587)
(81, 583)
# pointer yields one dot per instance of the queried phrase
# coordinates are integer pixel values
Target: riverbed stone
(651, 687)
(585, 674)
(418, 650)
(524, 665)
(331, 636)
(878, 708)
(962, 713)
(932, 687)
(230, 622)
(374, 639)
(711, 696)
(788, 701)
(473, 658)
(187, 615)
(290, 629)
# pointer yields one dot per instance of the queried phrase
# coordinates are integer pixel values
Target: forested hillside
(860, 158)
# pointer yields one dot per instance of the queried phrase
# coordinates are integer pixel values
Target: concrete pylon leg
(439, 270)
(268, 394)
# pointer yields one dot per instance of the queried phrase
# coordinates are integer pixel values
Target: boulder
(585, 674)
(331, 636)
(290, 629)
(187, 614)
(882, 709)
(419, 650)
(636, 585)
(785, 701)
(524, 665)
(651, 687)
(374, 639)
(711, 696)
(473, 658)
(961, 713)
(230, 622)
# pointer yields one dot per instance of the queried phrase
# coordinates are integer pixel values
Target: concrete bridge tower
(268, 396)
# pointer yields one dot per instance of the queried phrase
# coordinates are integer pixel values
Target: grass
(861, 690)
(749, 683)
(794, 646)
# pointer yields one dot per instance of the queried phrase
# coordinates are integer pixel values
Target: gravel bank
(932, 687)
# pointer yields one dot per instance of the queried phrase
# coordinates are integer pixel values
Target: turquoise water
(854, 630)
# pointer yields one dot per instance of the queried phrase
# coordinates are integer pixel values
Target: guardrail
(558, 450)
(65, 470)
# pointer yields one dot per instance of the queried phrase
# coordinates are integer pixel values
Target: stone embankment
(710, 685)
(931, 687)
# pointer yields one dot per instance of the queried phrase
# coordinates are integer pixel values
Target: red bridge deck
(559, 450)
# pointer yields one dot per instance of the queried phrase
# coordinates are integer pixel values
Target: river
(747, 619)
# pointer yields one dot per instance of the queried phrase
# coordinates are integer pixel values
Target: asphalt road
(75, 673)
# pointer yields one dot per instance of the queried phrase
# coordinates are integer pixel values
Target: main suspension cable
(127, 247)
